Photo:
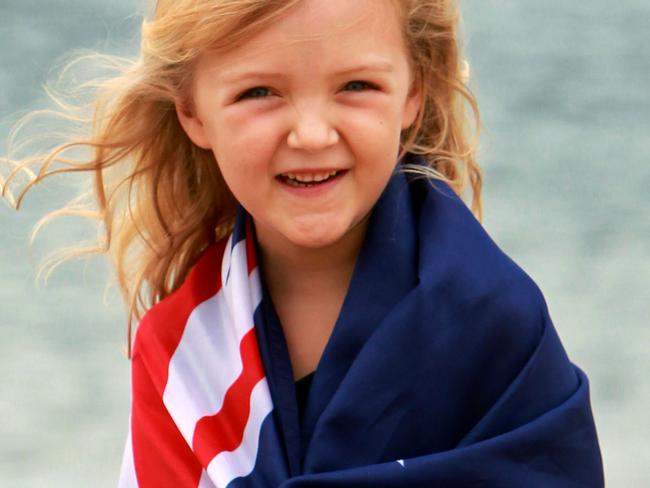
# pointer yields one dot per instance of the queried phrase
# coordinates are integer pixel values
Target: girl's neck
(308, 287)
(291, 269)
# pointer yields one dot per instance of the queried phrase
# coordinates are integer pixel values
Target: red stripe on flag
(161, 455)
(224, 430)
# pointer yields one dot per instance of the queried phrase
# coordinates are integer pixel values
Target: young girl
(279, 183)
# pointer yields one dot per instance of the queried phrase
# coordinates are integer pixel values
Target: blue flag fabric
(443, 369)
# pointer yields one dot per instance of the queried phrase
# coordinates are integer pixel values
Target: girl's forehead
(338, 15)
(325, 29)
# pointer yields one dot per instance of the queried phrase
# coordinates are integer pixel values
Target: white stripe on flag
(225, 261)
(128, 478)
(229, 465)
(242, 292)
(205, 481)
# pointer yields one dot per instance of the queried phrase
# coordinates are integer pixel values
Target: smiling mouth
(309, 180)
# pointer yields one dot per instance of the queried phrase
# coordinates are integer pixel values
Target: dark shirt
(302, 392)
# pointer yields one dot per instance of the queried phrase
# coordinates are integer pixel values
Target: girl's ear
(413, 104)
(193, 126)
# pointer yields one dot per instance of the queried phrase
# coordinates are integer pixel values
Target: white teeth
(308, 178)
(305, 178)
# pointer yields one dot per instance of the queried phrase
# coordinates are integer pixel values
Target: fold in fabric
(443, 369)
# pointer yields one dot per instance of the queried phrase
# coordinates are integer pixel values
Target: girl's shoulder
(459, 258)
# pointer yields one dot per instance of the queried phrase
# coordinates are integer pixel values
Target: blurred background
(564, 92)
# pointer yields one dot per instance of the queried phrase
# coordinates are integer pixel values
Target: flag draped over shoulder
(443, 369)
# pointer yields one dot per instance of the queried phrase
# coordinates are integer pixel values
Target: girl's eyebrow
(381, 66)
(235, 77)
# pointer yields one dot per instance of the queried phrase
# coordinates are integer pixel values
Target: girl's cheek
(252, 146)
(248, 121)
(370, 126)
(266, 129)
(380, 109)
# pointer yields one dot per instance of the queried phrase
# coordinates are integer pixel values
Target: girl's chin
(317, 236)
(312, 234)
(324, 235)
(314, 240)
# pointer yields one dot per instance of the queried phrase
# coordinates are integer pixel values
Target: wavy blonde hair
(159, 199)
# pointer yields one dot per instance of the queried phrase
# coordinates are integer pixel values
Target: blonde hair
(161, 200)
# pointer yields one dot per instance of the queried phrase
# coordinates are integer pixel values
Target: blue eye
(257, 92)
(358, 86)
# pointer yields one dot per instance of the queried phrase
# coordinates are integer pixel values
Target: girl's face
(304, 119)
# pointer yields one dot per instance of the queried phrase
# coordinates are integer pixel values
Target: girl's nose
(312, 132)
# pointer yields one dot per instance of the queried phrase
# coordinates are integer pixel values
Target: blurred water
(563, 89)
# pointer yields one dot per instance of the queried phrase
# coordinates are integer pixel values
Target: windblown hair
(159, 199)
